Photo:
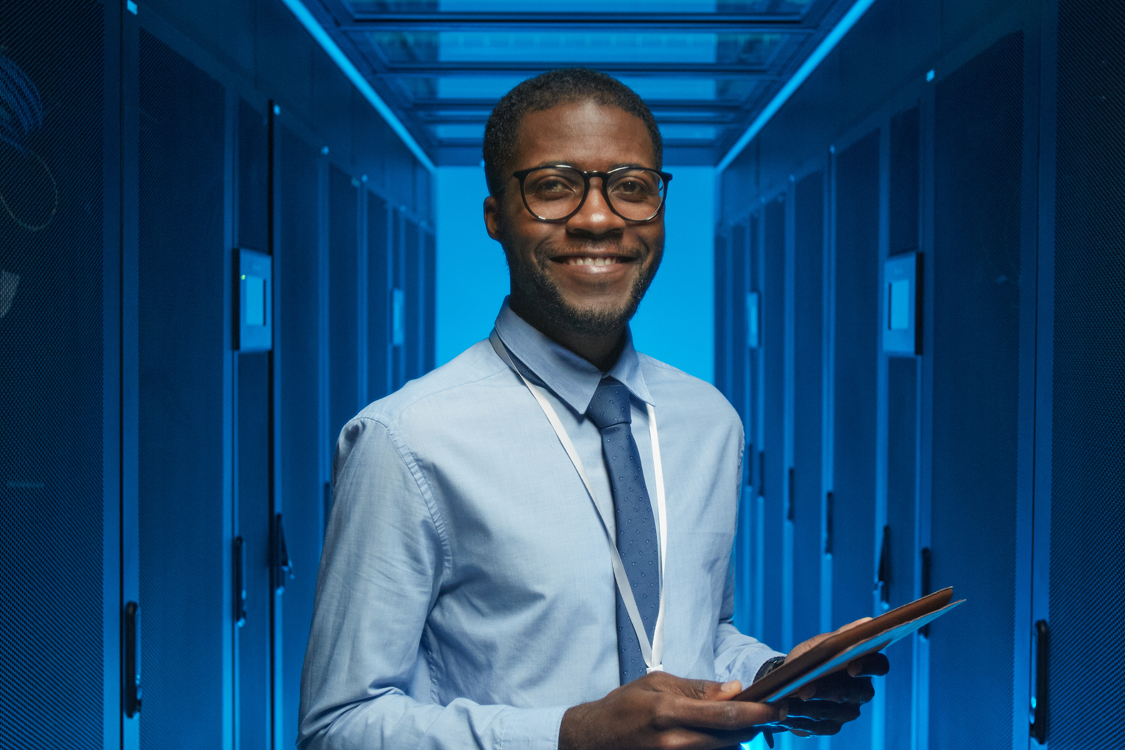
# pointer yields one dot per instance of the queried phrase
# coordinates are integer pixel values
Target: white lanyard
(653, 653)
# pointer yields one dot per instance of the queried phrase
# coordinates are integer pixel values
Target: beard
(532, 282)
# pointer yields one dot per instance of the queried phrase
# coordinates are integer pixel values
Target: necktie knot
(610, 405)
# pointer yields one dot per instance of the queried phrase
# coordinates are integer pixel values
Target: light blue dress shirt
(465, 597)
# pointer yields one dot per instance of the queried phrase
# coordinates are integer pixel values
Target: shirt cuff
(532, 729)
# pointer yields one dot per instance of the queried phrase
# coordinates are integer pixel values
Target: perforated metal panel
(901, 550)
(808, 365)
(51, 481)
(902, 427)
(378, 298)
(1088, 427)
(977, 296)
(429, 289)
(855, 387)
(254, 443)
(737, 325)
(722, 310)
(343, 292)
(299, 397)
(182, 271)
(414, 289)
(253, 178)
(773, 484)
(253, 638)
(398, 281)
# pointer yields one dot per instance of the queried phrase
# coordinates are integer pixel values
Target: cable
(21, 112)
(21, 99)
(54, 209)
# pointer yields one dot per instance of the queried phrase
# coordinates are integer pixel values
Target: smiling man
(530, 546)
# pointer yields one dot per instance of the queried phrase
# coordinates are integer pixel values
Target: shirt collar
(569, 376)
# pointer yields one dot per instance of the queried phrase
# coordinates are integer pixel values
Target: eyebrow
(618, 165)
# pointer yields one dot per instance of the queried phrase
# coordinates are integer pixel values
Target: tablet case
(834, 653)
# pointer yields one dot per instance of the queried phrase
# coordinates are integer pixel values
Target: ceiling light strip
(826, 45)
(321, 36)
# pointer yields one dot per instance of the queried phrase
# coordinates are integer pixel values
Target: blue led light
(321, 36)
(826, 45)
(131, 7)
(930, 76)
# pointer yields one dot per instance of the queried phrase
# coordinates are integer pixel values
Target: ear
(492, 217)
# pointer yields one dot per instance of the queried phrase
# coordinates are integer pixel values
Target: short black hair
(550, 89)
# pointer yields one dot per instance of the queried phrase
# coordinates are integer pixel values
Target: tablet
(833, 653)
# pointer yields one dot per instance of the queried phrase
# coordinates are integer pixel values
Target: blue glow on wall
(472, 276)
(675, 322)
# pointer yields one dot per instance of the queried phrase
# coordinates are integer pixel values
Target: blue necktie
(610, 410)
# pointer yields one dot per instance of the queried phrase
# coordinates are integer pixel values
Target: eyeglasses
(557, 192)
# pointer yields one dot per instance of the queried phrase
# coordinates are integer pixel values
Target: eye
(632, 188)
(552, 185)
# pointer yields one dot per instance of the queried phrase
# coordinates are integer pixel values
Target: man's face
(587, 275)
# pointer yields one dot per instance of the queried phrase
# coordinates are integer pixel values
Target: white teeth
(579, 261)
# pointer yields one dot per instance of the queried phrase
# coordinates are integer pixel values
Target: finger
(719, 715)
(851, 624)
(824, 711)
(840, 688)
(871, 664)
(812, 727)
(698, 689)
(713, 740)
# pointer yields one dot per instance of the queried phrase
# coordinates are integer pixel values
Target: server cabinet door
(302, 472)
(1082, 363)
(343, 300)
(378, 298)
(773, 481)
(183, 277)
(59, 605)
(855, 391)
(254, 441)
(806, 488)
(978, 285)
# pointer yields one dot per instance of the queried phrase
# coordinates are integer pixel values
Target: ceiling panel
(706, 68)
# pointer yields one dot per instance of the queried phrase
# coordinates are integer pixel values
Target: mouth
(592, 260)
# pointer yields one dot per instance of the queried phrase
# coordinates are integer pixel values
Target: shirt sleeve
(737, 656)
(365, 677)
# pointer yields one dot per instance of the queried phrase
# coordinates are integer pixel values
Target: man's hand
(661, 710)
(823, 706)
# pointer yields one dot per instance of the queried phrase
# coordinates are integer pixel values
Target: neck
(600, 350)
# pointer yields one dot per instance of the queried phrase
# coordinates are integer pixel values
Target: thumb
(709, 690)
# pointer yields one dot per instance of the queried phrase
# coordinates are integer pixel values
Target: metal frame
(790, 23)
(348, 29)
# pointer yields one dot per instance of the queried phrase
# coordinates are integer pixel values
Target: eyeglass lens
(556, 192)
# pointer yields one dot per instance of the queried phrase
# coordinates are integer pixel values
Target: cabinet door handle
(792, 494)
(885, 569)
(1040, 696)
(239, 565)
(761, 473)
(830, 501)
(282, 565)
(131, 650)
(927, 587)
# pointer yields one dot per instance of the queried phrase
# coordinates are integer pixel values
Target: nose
(595, 218)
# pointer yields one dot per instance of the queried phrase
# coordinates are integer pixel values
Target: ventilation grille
(181, 321)
(976, 267)
(51, 492)
(1088, 439)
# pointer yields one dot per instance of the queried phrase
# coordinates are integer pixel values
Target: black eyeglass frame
(521, 175)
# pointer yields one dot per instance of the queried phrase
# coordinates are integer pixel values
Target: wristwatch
(769, 666)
